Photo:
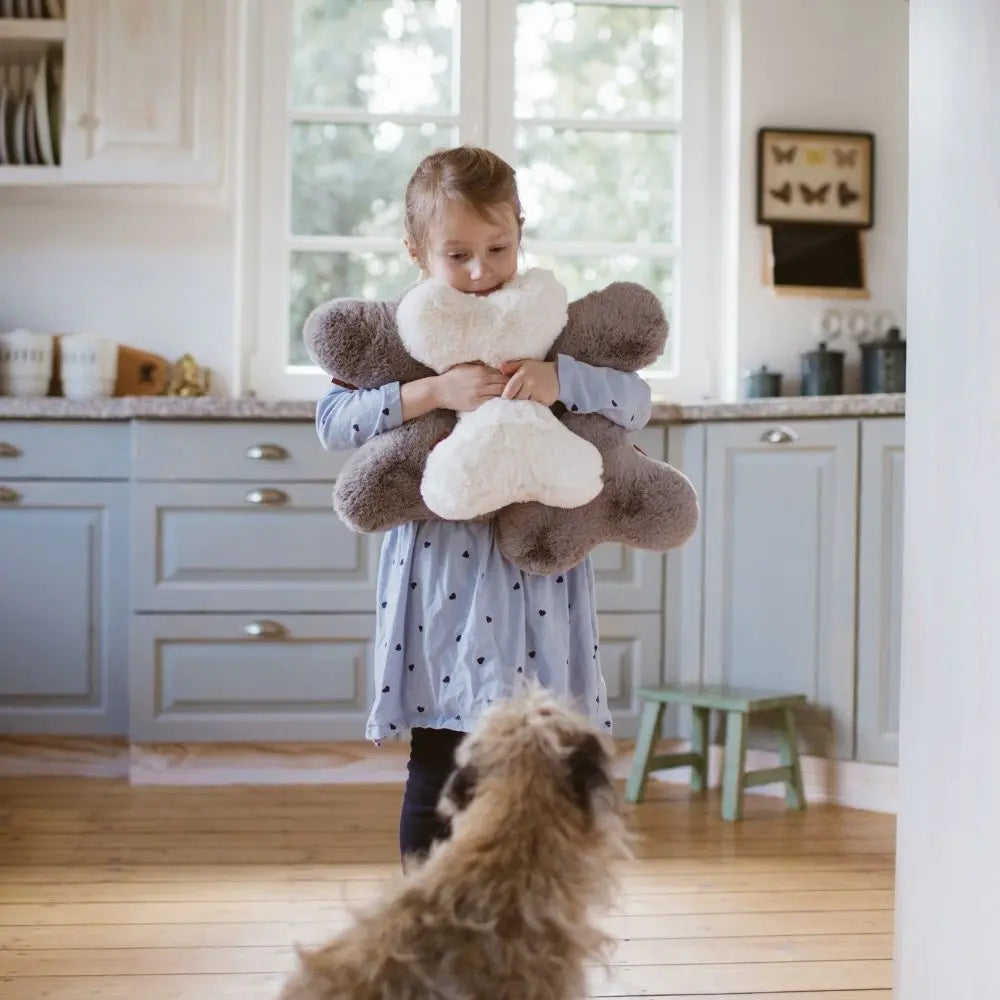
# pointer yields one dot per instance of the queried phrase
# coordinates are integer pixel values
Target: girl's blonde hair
(466, 173)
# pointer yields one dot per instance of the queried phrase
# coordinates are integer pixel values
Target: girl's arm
(347, 418)
(623, 397)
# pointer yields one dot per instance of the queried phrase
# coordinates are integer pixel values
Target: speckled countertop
(224, 408)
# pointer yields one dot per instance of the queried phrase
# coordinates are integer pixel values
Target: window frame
(486, 93)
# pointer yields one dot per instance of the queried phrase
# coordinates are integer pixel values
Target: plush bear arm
(622, 326)
(356, 341)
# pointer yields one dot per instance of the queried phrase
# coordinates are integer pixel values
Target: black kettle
(883, 364)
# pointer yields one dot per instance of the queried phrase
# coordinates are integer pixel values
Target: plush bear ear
(357, 343)
(622, 326)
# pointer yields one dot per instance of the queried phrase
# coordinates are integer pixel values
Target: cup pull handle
(7, 495)
(779, 435)
(266, 452)
(264, 629)
(267, 497)
(8, 450)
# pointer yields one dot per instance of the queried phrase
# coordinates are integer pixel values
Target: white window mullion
(270, 349)
(472, 69)
(501, 126)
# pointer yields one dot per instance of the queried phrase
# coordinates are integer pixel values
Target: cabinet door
(780, 521)
(631, 579)
(240, 547)
(239, 678)
(63, 607)
(630, 659)
(145, 85)
(880, 580)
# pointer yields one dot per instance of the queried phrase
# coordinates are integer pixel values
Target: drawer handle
(264, 629)
(7, 495)
(779, 435)
(267, 452)
(268, 497)
(9, 450)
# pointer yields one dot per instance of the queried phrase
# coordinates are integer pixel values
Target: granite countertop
(224, 408)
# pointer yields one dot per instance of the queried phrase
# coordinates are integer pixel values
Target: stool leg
(734, 770)
(795, 795)
(699, 745)
(645, 746)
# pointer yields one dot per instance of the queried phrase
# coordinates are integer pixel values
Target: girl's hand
(535, 380)
(467, 387)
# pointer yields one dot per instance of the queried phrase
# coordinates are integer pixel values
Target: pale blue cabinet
(780, 540)
(63, 606)
(880, 580)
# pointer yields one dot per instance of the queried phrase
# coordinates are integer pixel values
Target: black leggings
(432, 759)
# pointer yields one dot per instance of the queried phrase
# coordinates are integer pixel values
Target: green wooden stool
(738, 705)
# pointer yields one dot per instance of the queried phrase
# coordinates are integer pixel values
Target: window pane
(596, 60)
(581, 275)
(375, 55)
(319, 277)
(348, 180)
(615, 186)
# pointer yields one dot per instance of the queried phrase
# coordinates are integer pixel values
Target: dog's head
(540, 751)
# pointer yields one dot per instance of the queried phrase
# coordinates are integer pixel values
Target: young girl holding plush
(459, 626)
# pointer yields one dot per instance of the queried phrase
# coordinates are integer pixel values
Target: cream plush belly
(507, 451)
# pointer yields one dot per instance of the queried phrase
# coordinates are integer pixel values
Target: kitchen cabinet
(880, 579)
(144, 91)
(141, 98)
(64, 585)
(239, 534)
(780, 509)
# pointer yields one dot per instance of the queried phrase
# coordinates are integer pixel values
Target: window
(588, 100)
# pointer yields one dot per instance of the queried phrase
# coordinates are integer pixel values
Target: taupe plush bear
(643, 503)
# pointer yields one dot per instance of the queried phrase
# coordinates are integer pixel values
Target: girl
(458, 625)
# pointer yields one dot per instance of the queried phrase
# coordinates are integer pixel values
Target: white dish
(41, 104)
(31, 131)
(4, 101)
(18, 132)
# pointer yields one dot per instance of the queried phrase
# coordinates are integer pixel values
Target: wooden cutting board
(140, 373)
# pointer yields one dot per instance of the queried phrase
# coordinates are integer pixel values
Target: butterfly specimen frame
(816, 195)
(815, 176)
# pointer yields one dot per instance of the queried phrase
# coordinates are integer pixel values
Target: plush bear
(643, 502)
(506, 451)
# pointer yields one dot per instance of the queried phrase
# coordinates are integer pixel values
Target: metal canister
(822, 372)
(883, 364)
(762, 384)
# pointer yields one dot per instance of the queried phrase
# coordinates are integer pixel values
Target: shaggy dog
(500, 911)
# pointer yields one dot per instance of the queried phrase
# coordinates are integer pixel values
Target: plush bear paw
(509, 451)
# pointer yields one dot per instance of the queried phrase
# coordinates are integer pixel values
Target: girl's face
(468, 252)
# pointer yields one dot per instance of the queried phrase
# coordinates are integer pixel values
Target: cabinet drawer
(63, 450)
(247, 451)
(240, 678)
(630, 659)
(241, 547)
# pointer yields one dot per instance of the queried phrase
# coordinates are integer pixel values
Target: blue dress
(457, 624)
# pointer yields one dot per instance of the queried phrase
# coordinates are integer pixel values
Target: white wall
(161, 278)
(158, 278)
(837, 64)
(948, 867)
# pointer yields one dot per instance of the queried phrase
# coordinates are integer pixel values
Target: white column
(948, 887)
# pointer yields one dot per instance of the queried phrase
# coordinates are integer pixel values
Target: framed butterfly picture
(815, 176)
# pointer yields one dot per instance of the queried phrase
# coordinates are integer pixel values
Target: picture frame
(815, 176)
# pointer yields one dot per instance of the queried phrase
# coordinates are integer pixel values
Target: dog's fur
(500, 911)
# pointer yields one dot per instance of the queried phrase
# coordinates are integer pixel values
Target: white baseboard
(846, 783)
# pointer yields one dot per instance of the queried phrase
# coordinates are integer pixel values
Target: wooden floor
(111, 892)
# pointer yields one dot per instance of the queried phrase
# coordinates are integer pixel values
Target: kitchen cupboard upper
(143, 94)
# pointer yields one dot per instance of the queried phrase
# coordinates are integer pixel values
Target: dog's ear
(458, 791)
(588, 770)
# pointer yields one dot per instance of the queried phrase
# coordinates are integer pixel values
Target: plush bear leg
(509, 452)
